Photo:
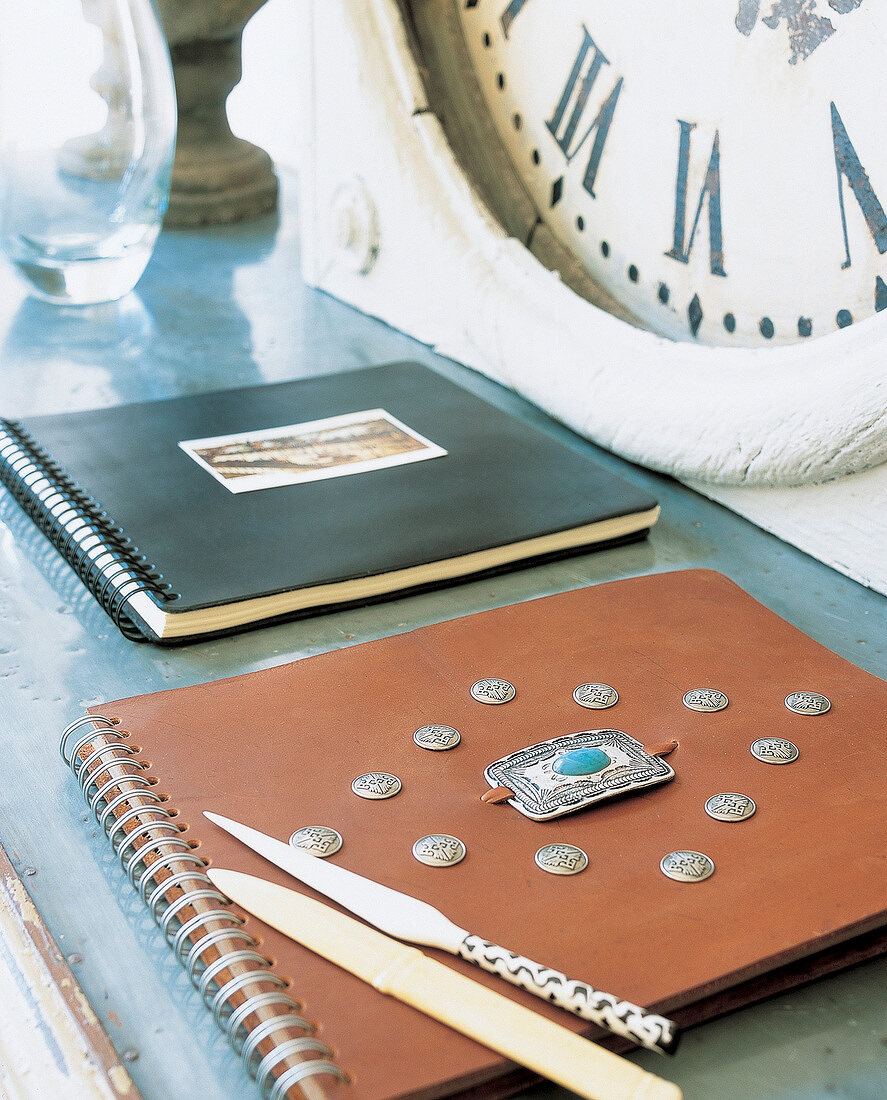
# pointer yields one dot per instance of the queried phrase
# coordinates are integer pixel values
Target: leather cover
(799, 888)
(502, 481)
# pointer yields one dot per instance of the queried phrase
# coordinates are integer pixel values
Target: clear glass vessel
(87, 138)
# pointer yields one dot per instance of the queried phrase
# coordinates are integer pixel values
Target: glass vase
(87, 138)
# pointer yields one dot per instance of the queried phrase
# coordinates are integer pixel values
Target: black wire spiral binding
(181, 870)
(97, 548)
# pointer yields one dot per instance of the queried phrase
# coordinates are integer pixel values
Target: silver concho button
(705, 699)
(687, 866)
(807, 702)
(376, 785)
(437, 738)
(730, 807)
(439, 850)
(319, 840)
(492, 690)
(561, 859)
(595, 696)
(774, 750)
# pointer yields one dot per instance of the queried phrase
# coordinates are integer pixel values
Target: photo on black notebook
(207, 514)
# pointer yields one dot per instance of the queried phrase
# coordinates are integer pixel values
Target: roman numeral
(848, 164)
(510, 14)
(711, 190)
(572, 105)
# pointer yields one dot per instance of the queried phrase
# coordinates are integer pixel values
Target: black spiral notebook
(210, 513)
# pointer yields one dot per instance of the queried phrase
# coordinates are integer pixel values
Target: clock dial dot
(695, 314)
(805, 326)
(844, 318)
(729, 322)
(663, 294)
(605, 249)
(580, 223)
(766, 327)
(633, 273)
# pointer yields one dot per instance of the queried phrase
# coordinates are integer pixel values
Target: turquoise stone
(581, 762)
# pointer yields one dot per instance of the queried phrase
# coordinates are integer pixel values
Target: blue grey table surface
(226, 307)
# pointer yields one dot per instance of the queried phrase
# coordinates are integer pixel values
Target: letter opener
(444, 994)
(407, 918)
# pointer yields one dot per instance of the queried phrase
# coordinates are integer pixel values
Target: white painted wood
(843, 522)
(51, 1043)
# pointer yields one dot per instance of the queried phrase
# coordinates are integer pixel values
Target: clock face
(719, 169)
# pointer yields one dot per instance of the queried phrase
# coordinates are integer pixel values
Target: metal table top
(226, 307)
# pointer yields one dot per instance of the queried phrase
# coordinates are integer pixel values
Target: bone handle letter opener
(409, 919)
(463, 1004)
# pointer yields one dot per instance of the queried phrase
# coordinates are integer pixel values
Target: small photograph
(338, 445)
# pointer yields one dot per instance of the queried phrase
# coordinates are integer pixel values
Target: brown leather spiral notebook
(790, 897)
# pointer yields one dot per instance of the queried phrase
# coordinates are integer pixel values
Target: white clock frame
(391, 224)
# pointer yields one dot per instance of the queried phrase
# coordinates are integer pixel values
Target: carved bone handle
(621, 1017)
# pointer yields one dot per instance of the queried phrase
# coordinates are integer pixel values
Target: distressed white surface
(42, 1052)
(843, 522)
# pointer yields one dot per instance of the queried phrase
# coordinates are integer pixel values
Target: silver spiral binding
(223, 996)
(194, 960)
(146, 830)
(182, 940)
(266, 1028)
(224, 962)
(221, 958)
(176, 843)
(146, 878)
(231, 1026)
(298, 1073)
(124, 796)
(95, 547)
(171, 912)
(286, 1050)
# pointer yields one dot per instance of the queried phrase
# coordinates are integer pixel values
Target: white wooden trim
(51, 1042)
(842, 523)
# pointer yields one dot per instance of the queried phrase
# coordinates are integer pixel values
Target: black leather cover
(502, 481)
